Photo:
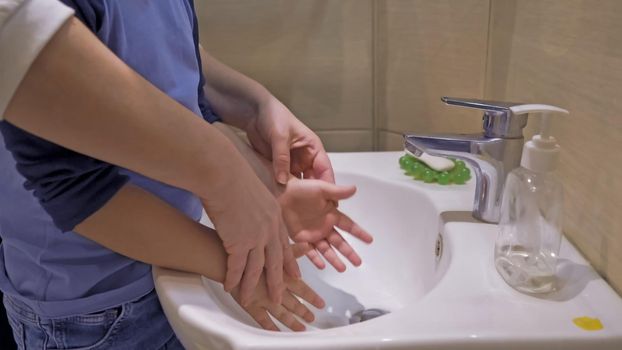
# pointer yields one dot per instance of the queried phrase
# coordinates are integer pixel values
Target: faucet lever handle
(499, 119)
(485, 105)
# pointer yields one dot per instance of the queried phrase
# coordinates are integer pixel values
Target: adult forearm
(233, 96)
(80, 95)
(139, 225)
(260, 165)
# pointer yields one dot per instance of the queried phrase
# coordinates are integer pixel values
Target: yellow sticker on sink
(588, 323)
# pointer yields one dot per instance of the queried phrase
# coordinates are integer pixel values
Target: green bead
(459, 164)
(428, 176)
(418, 173)
(461, 176)
(458, 179)
(411, 168)
(444, 178)
(402, 161)
(406, 162)
(465, 173)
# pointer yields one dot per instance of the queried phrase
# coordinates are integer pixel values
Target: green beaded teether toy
(418, 170)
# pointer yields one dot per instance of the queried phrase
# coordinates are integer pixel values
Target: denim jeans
(138, 324)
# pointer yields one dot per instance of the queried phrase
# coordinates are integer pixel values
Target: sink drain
(365, 315)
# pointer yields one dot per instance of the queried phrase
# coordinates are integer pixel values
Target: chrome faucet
(491, 154)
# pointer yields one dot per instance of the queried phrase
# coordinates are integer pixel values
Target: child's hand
(260, 303)
(310, 212)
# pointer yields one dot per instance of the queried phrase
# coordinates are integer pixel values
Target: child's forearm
(141, 226)
(233, 96)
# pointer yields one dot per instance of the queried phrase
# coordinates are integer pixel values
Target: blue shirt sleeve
(91, 13)
(70, 186)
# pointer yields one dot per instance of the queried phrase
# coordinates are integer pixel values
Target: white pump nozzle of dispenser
(541, 154)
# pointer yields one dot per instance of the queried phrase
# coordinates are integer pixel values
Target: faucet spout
(490, 159)
(491, 154)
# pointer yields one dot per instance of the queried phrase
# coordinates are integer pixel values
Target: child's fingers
(337, 241)
(300, 249)
(299, 309)
(274, 270)
(253, 271)
(236, 262)
(316, 259)
(345, 223)
(260, 315)
(308, 235)
(337, 193)
(329, 254)
(286, 318)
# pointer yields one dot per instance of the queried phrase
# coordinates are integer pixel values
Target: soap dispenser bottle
(530, 226)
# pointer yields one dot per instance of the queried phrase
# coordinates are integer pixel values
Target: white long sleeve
(25, 27)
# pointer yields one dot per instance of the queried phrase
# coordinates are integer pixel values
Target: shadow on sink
(572, 278)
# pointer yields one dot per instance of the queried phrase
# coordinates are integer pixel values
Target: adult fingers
(281, 157)
(254, 268)
(329, 254)
(289, 259)
(344, 248)
(322, 169)
(345, 223)
(236, 262)
(274, 270)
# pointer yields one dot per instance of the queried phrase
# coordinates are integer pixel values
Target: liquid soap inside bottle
(529, 239)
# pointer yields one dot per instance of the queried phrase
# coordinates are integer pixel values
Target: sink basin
(399, 268)
(429, 270)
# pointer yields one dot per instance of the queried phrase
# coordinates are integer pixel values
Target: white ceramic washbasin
(433, 274)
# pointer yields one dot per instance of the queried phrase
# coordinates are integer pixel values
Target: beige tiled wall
(314, 55)
(424, 50)
(569, 53)
(344, 66)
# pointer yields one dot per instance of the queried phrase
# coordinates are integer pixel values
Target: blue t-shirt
(46, 190)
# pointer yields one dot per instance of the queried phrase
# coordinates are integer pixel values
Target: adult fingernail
(282, 178)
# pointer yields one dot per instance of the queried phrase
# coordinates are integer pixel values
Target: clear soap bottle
(530, 227)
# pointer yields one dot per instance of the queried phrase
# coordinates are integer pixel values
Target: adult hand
(293, 148)
(311, 215)
(260, 306)
(249, 222)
